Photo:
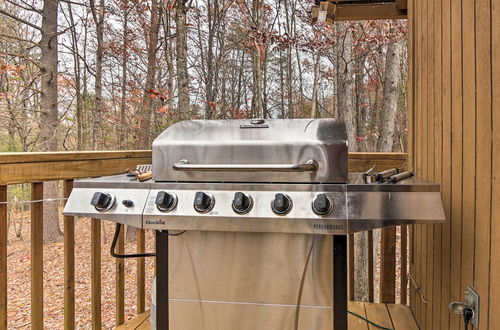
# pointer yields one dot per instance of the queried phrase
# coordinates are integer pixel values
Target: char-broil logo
(155, 222)
(327, 226)
(254, 126)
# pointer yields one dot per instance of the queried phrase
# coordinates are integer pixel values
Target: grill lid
(254, 150)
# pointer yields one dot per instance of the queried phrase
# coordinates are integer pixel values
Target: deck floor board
(397, 317)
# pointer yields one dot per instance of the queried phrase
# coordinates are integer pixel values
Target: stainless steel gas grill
(263, 176)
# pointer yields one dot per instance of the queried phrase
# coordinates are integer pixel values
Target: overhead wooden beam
(361, 11)
(402, 4)
(358, 12)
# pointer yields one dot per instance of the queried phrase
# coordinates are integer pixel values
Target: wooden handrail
(35, 168)
(46, 166)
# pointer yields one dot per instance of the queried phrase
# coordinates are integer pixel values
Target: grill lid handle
(309, 166)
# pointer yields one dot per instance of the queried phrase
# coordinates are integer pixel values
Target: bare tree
(125, 55)
(182, 58)
(314, 107)
(147, 104)
(98, 16)
(49, 115)
(345, 84)
(390, 100)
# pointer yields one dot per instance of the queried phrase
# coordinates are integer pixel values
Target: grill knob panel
(321, 205)
(165, 201)
(103, 201)
(282, 204)
(203, 202)
(242, 203)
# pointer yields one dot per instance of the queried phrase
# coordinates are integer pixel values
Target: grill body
(257, 269)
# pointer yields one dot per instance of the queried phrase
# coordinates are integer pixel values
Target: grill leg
(340, 282)
(162, 319)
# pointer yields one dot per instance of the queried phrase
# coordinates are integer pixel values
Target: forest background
(112, 74)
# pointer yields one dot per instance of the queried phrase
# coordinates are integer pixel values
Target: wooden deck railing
(34, 168)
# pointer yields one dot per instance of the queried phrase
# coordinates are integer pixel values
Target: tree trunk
(49, 119)
(182, 59)
(123, 104)
(98, 103)
(345, 85)
(314, 107)
(147, 104)
(210, 70)
(78, 78)
(390, 101)
(257, 110)
(361, 105)
(167, 33)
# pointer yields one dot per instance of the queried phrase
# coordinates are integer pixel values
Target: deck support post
(162, 296)
(340, 282)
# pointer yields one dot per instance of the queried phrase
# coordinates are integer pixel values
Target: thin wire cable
(370, 322)
(417, 288)
(274, 305)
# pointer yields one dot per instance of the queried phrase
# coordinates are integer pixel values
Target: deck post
(69, 264)
(162, 296)
(340, 282)
(3, 257)
(37, 256)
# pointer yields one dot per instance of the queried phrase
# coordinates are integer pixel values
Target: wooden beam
(36, 167)
(69, 264)
(41, 157)
(3, 257)
(404, 265)
(95, 269)
(358, 12)
(371, 280)
(37, 256)
(120, 279)
(388, 265)
(402, 4)
(351, 266)
(141, 272)
(361, 162)
(51, 171)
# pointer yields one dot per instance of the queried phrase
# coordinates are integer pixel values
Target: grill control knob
(321, 205)
(282, 204)
(165, 201)
(242, 203)
(102, 201)
(203, 202)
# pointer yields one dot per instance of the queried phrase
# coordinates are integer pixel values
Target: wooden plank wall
(454, 104)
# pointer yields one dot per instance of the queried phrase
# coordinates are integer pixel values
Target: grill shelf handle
(309, 166)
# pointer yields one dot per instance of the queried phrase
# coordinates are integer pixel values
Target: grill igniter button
(203, 202)
(103, 201)
(321, 205)
(282, 204)
(127, 203)
(242, 203)
(165, 201)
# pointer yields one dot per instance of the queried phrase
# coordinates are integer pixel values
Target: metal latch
(471, 301)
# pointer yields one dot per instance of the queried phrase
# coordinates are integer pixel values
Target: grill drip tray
(331, 209)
